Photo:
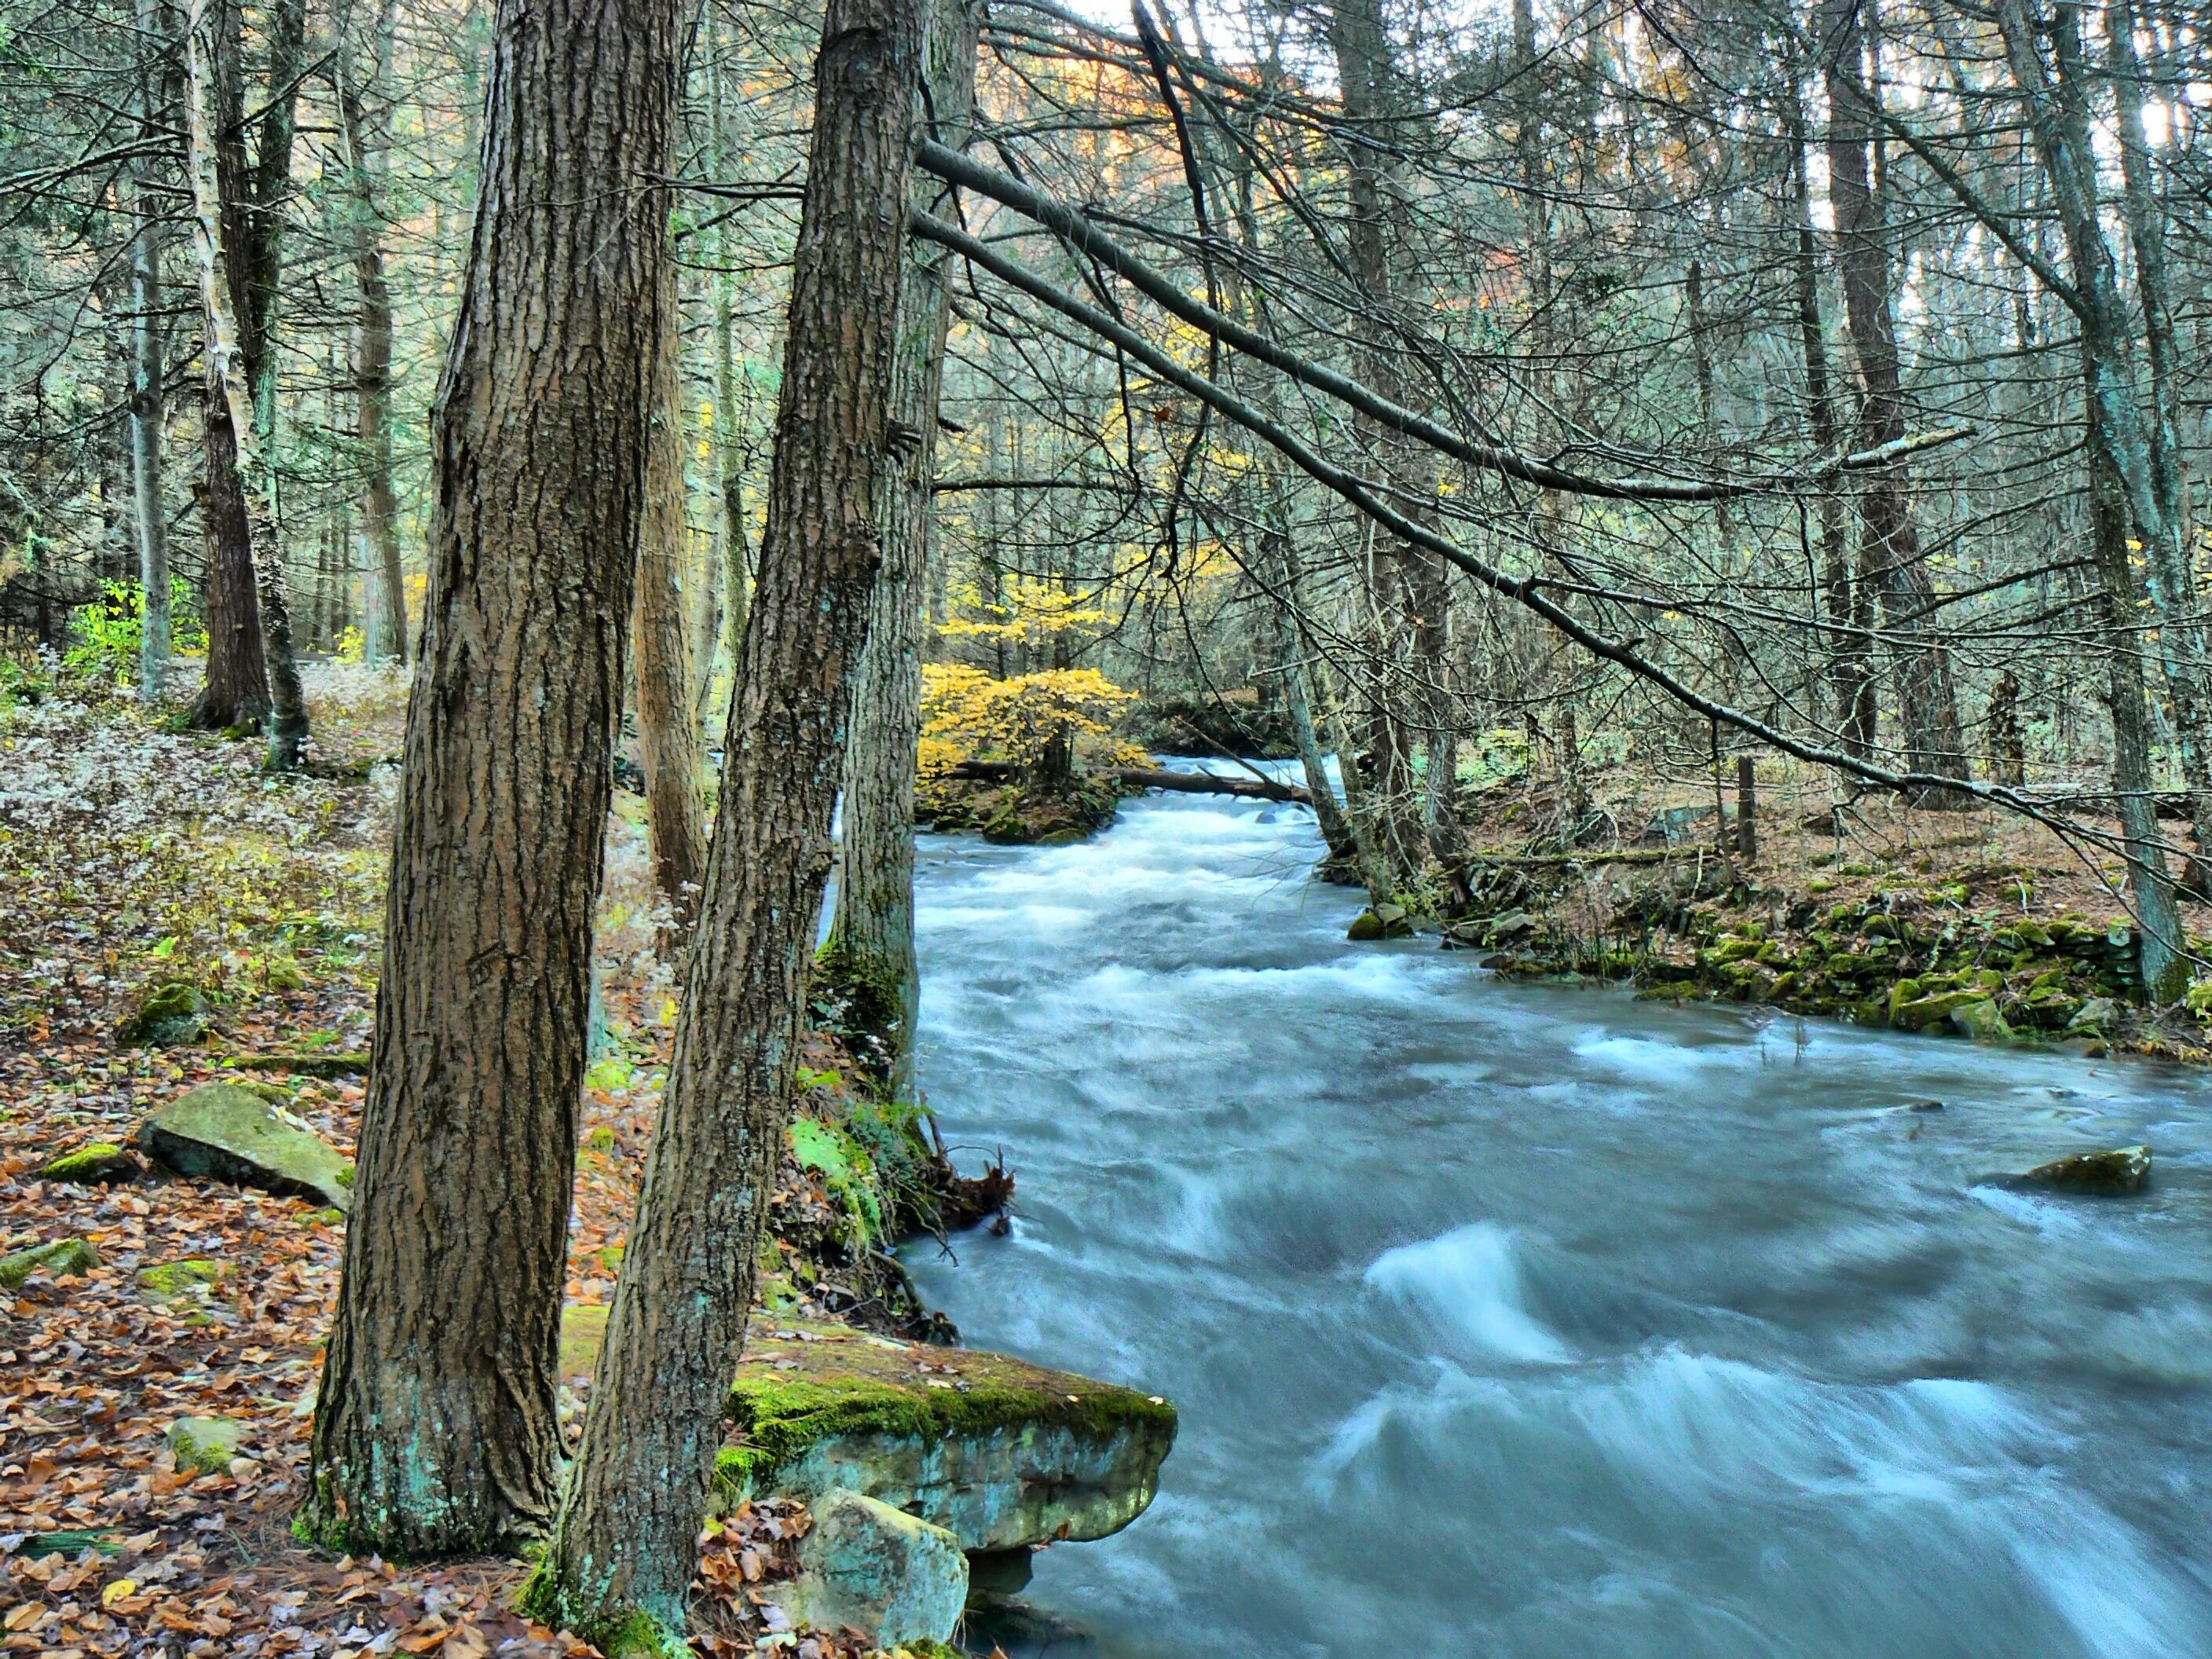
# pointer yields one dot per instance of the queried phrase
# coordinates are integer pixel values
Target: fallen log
(1152, 777)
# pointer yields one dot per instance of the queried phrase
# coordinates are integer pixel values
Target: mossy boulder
(999, 1452)
(1979, 1020)
(1919, 1012)
(205, 1445)
(166, 1015)
(95, 1166)
(867, 1566)
(1380, 921)
(62, 1257)
(226, 1132)
(321, 1062)
(2117, 1173)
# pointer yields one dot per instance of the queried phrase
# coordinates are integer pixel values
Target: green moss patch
(94, 1165)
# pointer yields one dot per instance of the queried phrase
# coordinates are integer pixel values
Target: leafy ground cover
(134, 861)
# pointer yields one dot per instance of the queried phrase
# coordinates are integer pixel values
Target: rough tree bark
(667, 713)
(1411, 596)
(232, 254)
(2140, 444)
(365, 123)
(1890, 557)
(870, 957)
(434, 1430)
(622, 1556)
(148, 353)
(1848, 602)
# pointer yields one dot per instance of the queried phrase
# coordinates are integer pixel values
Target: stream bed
(1522, 1321)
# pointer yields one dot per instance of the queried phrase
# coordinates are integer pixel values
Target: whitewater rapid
(1525, 1320)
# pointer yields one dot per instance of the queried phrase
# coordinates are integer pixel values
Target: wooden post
(1746, 810)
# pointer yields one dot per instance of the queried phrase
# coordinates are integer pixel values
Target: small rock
(231, 1134)
(2098, 1015)
(170, 1279)
(95, 1166)
(167, 1015)
(1925, 1106)
(1980, 1020)
(890, 1576)
(205, 1445)
(61, 1257)
(2114, 1174)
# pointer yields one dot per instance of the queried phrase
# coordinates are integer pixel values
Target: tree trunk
(2141, 446)
(1890, 559)
(149, 352)
(1849, 673)
(871, 955)
(234, 507)
(2150, 887)
(1279, 561)
(434, 1430)
(1413, 600)
(235, 695)
(667, 715)
(730, 451)
(622, 1557)
(365, 120)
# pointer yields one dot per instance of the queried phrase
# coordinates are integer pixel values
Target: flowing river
(1524, 1321)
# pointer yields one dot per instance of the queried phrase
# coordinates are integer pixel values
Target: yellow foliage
(1026, 609)
(967, 715)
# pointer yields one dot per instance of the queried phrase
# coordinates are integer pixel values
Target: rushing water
(1534, 1321)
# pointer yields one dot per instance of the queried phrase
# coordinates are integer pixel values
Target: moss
(166, 1015)
(62, 1257)
(325, 1065)
(618, 1632)
(174, 1278)
(102, 1161)
(848, 1383)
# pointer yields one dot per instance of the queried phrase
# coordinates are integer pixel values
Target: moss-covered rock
(227, 1132)
(304, 1062)
(2117, 1173)
(95, 1166)
(867, 1566)
(170, 1279)
(1380, 921)
(62, 1257)
(166, 1015)
(205, 1445)
(999, 1452)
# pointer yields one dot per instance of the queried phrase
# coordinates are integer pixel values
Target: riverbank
(1962, 924)
(177, 919)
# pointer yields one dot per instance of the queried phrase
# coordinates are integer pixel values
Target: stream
(1527, 1321)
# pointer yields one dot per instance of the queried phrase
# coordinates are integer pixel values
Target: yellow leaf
(116, 1591)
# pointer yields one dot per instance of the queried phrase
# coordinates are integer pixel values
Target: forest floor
(1961, 923)
(130, 857)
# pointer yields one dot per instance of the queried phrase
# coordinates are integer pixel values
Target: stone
(1921, 1012)
(95, 1166)
(1980, 1020)
(170, 1279)
(166, 1015)
(2117, 1173)
(322, 1062)
(62, 1257)
(1366, 928)
(891, 1575)
(205, 1445)
(1000, 1453)
(226, 1132)
(2098, 1014)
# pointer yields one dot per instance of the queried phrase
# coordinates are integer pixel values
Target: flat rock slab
(227, 1133)
(997, 1451)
